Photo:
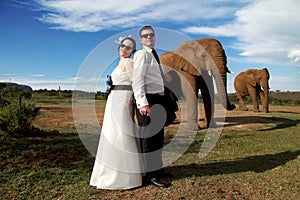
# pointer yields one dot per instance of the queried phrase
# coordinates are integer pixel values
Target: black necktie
(155, 55)
(157, 59)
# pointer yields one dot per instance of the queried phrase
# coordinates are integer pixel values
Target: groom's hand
(145, 110)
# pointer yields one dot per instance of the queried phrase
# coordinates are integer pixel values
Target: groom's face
(147, 38)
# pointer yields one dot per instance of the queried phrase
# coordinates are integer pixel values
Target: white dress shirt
(146, 76)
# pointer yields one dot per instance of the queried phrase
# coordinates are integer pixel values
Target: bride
(117, 164)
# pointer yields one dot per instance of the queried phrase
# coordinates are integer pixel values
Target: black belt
(121, 87)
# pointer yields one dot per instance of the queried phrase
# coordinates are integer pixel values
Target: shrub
(15, 115)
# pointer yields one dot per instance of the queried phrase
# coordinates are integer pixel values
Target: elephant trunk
(220, 75)
(267, 102)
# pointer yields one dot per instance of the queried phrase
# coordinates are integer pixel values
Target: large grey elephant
(255, 83)
(197, 62)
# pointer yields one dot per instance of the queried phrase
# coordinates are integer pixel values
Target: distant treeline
(70, 93)
(275, 98)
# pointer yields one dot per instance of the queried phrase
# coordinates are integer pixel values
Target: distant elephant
(196, 62)
(255, 83)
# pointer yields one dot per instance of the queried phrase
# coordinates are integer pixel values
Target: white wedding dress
(117, 163)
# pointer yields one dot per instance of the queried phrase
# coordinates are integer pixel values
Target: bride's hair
(132, 40)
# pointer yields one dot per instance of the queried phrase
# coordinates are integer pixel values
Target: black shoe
(167, 175)
(164, 174)
(145, 181)
(156, 182)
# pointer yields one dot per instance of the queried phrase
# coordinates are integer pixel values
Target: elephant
(197, 62)
(253, 82)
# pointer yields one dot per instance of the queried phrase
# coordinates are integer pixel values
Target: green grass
(43, 167)
(258, 163)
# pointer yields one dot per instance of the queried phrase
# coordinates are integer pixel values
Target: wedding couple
(130, 155)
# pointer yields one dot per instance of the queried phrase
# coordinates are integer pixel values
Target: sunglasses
(151, 35)
(128, 48)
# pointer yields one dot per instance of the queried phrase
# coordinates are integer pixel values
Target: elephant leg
(190, 93)
(207, 91)
(253, 95)
(242, 105)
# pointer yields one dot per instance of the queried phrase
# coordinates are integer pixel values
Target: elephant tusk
(228, 71)
(209, 73)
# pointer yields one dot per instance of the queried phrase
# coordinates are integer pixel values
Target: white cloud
(8, 75)
(267, 31)
(37, 75)
(295, 55)
(282, 82)
(92, 15)
(213, 31)
(97, 15)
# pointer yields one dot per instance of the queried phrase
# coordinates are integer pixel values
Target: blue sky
(49, 44)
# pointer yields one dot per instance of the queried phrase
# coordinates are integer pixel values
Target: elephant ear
(167, 60)
(187, 57)
(267, 73)
(251, 79)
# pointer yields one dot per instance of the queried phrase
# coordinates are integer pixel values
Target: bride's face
(126, 48)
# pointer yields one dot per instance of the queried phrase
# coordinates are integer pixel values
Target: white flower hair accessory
(121, 38)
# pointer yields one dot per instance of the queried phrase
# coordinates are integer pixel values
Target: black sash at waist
(121, 87)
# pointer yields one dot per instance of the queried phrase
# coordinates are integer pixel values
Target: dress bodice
(121, 75)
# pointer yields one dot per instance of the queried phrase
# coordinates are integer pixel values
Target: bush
(15, 115)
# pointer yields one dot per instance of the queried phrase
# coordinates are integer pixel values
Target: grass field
(256, 157)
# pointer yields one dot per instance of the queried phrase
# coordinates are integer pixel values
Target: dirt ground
(58, 116)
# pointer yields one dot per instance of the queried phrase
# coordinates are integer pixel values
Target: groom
(148, 88)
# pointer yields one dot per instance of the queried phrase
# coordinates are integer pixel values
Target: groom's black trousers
(151, 138)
